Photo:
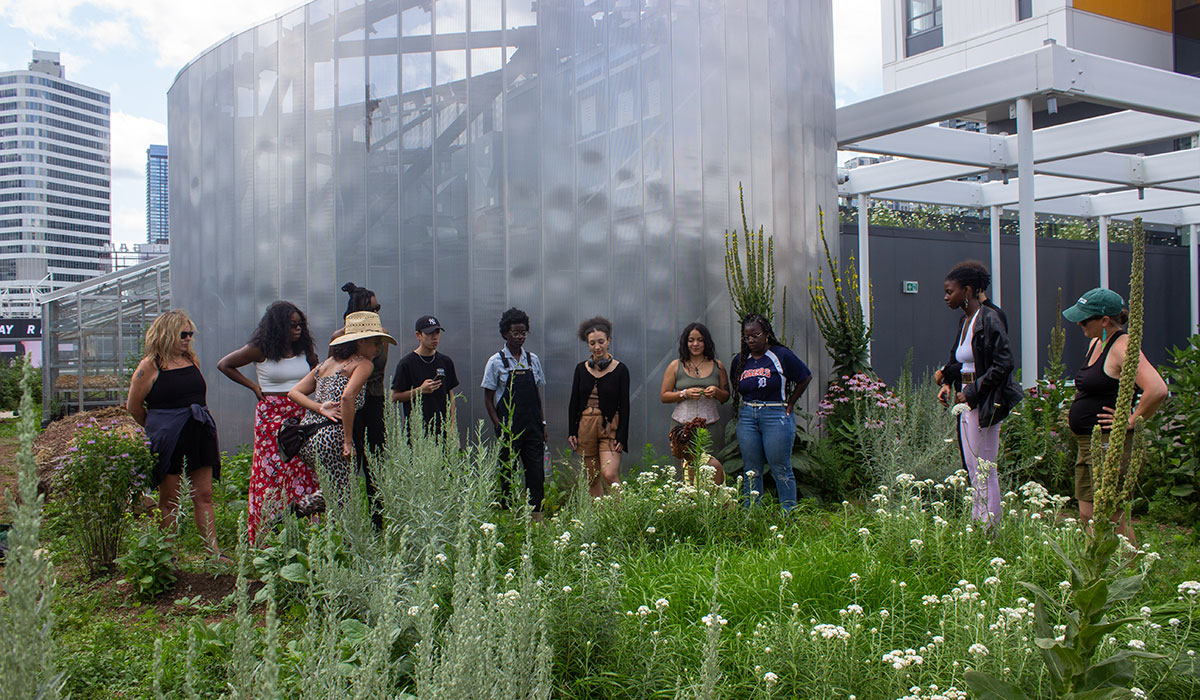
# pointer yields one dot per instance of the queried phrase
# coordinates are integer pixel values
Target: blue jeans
(765, 435)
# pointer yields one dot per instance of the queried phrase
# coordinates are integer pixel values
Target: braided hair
(360, 298)
(744, 354)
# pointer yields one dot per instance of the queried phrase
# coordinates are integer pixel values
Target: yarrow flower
(713, 620)
(977, 650)
(785, 577)
(770, 678)
(661, 604)
(489, 528)
(1191, 588)
(902, 659)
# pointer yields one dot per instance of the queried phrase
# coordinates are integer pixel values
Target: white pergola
(1066, 170)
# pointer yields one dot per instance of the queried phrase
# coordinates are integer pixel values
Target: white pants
(981, 443)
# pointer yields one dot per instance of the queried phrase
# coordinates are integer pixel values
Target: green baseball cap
(1095, 302)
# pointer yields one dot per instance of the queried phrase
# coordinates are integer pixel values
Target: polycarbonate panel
(569, 157)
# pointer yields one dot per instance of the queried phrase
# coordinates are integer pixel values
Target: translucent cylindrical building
(458, 157)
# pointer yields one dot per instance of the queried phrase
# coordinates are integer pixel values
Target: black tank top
(1093, 391)
(177, 388)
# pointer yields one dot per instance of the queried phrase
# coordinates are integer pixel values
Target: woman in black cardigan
(599, 408)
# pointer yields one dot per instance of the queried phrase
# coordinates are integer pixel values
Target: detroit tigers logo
(763, 372)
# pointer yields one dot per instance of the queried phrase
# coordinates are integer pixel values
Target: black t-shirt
(413, 370)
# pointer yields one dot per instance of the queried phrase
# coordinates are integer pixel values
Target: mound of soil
(53, 445)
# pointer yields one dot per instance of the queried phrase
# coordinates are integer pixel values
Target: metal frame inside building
(92, 335)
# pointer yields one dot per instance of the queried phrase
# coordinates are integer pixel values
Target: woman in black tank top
(167, 397)
(1101, 316)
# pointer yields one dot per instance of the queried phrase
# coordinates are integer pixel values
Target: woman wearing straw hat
(337, 392)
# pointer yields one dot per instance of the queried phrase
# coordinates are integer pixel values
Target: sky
(134, 48)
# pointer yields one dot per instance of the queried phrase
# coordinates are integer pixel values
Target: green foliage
(105, 470)
(27, 662)
(1173, 474)
(147, 565)
(751, 283)
(11, 380)
(1037, 443)
(904, 430)
(1097, 586)
(846, 331)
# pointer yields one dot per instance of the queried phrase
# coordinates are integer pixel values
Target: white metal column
(1194, 275)
(1028, 251)
(1104, 251)
(864, 261)
(995, 293)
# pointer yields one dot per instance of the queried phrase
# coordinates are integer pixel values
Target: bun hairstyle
(970, 273)
(360, 298)
(595, 323)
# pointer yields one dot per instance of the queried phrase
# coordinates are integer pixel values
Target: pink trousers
(981, 443)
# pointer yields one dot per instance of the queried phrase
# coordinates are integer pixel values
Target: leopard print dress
(323, 451)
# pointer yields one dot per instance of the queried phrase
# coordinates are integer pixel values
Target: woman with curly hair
(980, 378)
(167, 397)
(762, 373)
(598, 413)
(697, 384)
(282, 352)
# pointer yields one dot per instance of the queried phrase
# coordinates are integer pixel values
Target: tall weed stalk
(27, 664)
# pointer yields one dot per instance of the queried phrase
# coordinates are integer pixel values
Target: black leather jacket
(995, 391)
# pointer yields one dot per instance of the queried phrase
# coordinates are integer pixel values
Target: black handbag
(293, 436)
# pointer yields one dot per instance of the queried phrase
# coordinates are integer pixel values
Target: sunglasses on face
(296, 325)
(184, 335)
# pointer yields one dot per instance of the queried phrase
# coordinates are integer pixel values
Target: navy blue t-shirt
(763, 378)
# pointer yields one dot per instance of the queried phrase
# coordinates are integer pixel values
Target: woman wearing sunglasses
(167, 397)
(282, 352)
(1101, 316)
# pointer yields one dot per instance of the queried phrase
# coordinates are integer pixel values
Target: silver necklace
(429, 361)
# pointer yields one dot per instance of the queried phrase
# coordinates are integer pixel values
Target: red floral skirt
(274, 484)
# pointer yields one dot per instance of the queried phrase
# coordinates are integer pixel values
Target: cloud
(131, 136)
(857, 50)
(176, 31)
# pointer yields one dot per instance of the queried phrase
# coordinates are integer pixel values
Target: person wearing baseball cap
(426, 373)
(1101, 316)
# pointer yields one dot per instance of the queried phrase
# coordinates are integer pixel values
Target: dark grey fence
(921, 322)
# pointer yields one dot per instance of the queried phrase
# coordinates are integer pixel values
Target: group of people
(980, 375)
(340, 400)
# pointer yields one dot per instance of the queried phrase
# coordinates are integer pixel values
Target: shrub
(147, 565)
(1174, 476)
(105, 471)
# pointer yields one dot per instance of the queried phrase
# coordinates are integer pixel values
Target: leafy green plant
(847, 332)
(147, 565)
(1037, 443)
(104, 472)
(27, 663)
(1174, 451)
(1097, 584)
(751, 282)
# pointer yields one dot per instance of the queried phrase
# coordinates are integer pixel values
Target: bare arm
(800, 387)
(230, 364)
(1154, 391)
(143, 380)
(358, 378)
(301, 393)
(669, 394)
(489, 401)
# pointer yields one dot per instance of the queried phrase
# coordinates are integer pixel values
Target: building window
(923, 26)
(1024, 9)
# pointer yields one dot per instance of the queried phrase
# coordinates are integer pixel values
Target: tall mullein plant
(750, 276)
(845, 328)
(1098, 585)
(26, 615)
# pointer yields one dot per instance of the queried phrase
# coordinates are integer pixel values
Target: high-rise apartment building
(928, 39)
(157, 230)
(54, 183)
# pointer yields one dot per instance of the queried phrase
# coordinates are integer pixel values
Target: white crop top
(963, 353)
(282, 375)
